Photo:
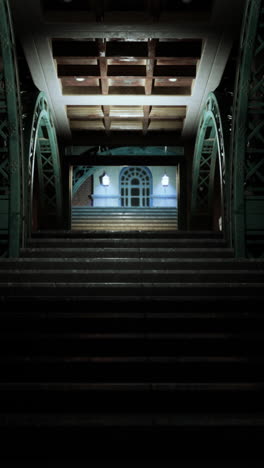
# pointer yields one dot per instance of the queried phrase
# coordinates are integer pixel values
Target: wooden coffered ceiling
(126, 68)
(131, 68)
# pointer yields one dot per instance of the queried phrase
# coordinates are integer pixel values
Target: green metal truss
(41, 148)
(125, 151)
(11, 146)
(80, 175)
(211, 143)
(248, 137)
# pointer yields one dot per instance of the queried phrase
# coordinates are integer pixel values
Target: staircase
(128, 349)
(124, 219)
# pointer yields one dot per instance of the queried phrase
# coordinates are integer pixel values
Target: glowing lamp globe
(165, 180)
(105, 180)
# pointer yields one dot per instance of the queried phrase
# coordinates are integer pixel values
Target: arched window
(135, 187)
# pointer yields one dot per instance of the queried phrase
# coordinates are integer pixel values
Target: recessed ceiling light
(79, 78)
(67, 1)
(173, 79)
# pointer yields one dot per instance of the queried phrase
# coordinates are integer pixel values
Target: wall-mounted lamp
(165, 180)
(104, 180)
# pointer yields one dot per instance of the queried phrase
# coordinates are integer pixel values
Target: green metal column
(41, 148)
(11, 147)
(248, 137)
(211, 144)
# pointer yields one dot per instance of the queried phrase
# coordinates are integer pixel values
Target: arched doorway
(135, 187)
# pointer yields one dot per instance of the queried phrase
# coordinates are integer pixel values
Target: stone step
(131, 291)
(124, 227)
(137, 276)
(124, 215)
(198, 397)
(131, 263)
(117, 242)
(182, 420)
(128, 370)
(165, 397)
(157, 320)
(135, 235)
(236, 441)
(129, 216)
(127, 210)
(126, 252)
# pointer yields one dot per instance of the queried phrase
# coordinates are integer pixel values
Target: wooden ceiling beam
(107, 119)
(146, 119)
(150, 66)
(102, 62)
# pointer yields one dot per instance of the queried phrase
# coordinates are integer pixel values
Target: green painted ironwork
(80, 175)
(11, 147)
(126, 151)
(144, 151)
(248, 137)
(211, 143)
(41, 148)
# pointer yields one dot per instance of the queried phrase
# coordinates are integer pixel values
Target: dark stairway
(121, 349)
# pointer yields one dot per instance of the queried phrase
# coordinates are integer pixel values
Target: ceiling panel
(123, 118)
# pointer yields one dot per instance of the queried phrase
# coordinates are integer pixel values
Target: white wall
(164, 196)
(161, 196)
(107, 196)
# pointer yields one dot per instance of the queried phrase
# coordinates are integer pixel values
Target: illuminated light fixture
(173, 79)
(105, 180)
(165, 180)
(79, 78)
(67, 1)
